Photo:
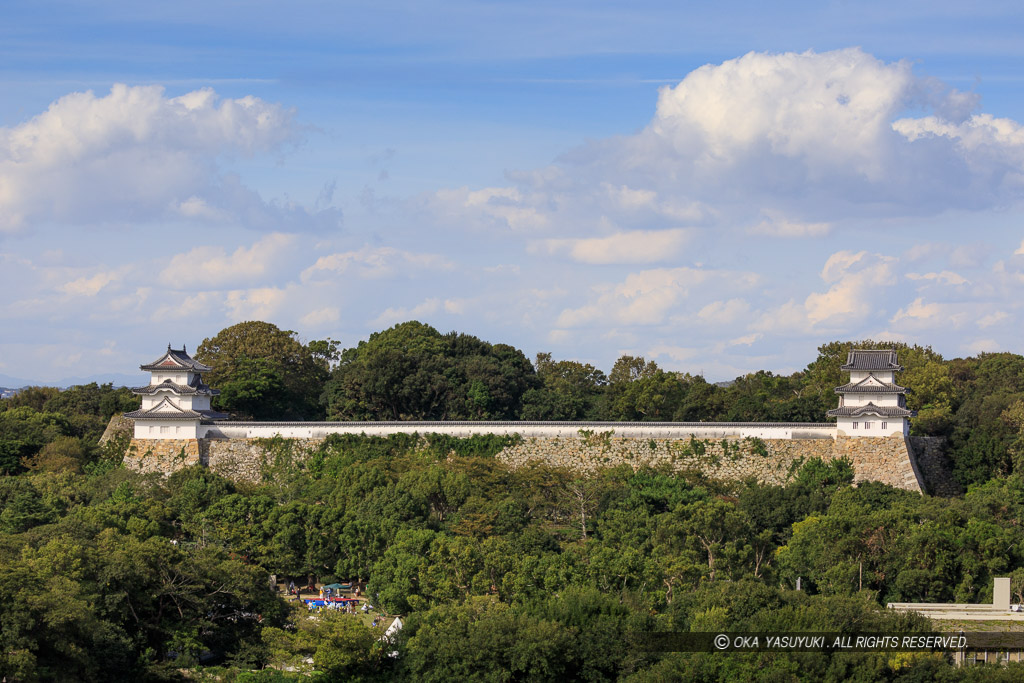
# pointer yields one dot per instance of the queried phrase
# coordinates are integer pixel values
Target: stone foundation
(770, 461)
(935, 466)
(246, 459)
(888, 460)
(163, 455)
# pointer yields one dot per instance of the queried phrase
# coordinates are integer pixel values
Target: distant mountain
(119, 379)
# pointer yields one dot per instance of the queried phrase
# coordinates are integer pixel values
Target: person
(291, 588)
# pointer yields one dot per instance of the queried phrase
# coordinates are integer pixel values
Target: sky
(718, 187)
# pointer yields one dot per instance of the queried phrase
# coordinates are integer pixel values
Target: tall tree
(265, 372)
(413, 372)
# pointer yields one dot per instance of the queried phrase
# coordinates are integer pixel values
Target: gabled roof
(871, 409)
(871, 385)
(194, 388)
(872, 359)
(176, 360)
(165, 410)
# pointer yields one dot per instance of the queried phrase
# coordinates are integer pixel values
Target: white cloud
(90, 285)
(557, 336)
(680, 354)
(779, 226)
(321, 317)
(945, 277)
(856, 278)
(135, 155)
(260, 303)
(374, 262)
(919, 310)
(504, 207)
(427, 307)
(745, 340)
(646, 297)
(724, 312)
(788, 145)
(983, 346)
(191, 307)
(205, 267)
(993, 319)
(638, 246)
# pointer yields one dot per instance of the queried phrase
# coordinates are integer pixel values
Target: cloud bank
(138, 156)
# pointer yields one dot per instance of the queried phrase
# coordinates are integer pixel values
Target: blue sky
(718, 187)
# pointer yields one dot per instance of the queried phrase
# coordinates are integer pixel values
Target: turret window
(867, 425)
(856, 424)
(885, 425)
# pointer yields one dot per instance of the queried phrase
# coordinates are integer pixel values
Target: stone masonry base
(889, 460)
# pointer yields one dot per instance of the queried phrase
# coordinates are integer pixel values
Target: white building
(176, 401)
(872, 404)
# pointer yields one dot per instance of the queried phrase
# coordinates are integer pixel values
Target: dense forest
(529, 574)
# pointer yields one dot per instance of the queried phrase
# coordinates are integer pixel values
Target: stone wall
(887, 460)
(163, 455)
(118, 425)
(246, 459)
(936, 469)
(771, 461)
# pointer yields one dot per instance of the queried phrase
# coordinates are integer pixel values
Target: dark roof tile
(176, 360)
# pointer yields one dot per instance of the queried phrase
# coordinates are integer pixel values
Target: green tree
(412, 372)
(267, 371)
(483, 639)
(569, 390)
(24, 431)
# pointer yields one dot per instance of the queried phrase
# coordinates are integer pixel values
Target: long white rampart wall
(626, 430)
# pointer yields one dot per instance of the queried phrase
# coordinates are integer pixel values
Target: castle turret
(176, 401)
(872, 404)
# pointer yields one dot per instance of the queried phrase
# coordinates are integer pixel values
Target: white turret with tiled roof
(176, 401)
(871, 403)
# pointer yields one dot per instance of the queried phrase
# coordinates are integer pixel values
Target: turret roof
(176, 360)
(165, 410)
(872, 359)
(194, 388)
(871, 385)
(871, 409)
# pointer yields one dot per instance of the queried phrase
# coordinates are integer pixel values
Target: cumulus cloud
(945, 277)
(918, 310)
(779, 226)
(259, 303)
(503, 207)
(321, 317)
(637, 246)
(854, 278)
(857, 282)
(993, 319)
(647, 297)
(204, 267)
(137, 155)
(374, 262)
(724, 312)
(785, 145)
(90, 285)
(428, 307)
